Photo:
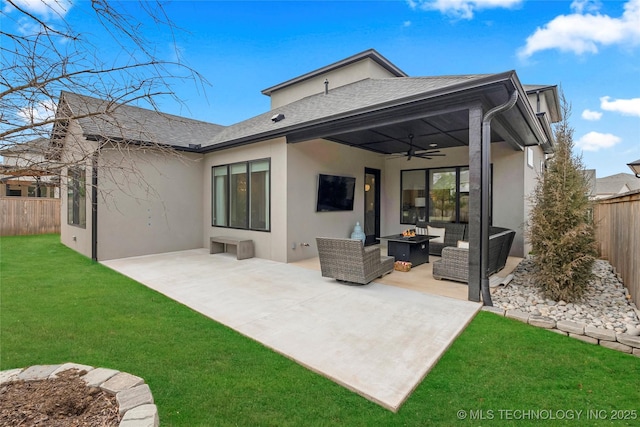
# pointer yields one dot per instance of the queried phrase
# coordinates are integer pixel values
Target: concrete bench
(243, 248)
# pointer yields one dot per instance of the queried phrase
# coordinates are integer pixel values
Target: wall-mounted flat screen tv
(335, 193)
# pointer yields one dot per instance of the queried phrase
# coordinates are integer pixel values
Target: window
(442, 195)
(77, 199)
(413, 196)
(219, 186)
(14, 190)
(241, 195)
(435, 195)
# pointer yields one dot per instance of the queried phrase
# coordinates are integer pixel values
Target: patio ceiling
(440, 120)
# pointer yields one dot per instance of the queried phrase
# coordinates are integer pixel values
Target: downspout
(484, 210)
(94, 207)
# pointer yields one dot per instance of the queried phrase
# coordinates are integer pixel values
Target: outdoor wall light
(635, 167)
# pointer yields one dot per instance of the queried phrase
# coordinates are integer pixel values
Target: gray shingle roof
(125, 122)
(351, 99)
(613, 184)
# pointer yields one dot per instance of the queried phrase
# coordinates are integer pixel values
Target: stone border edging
(605, 337)
(134, 398)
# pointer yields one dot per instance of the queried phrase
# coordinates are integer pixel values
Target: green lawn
(57, 306)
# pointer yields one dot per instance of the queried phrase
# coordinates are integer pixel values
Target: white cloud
(628, 107)
(594, 141)
(591, 115)
(406, 24)
(581, 6)
(45, 9)
(585, 30)
(462, 9)
(42, 111)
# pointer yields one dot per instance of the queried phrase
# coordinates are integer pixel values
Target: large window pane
(442, 194)
(241, 195)
(219, 199)
(76, 198)
(413, 196)
(259, 195)
(238, 196)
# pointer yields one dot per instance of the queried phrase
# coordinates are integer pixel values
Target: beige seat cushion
(433, 231)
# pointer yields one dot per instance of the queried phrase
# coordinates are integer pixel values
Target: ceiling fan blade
(430, 156)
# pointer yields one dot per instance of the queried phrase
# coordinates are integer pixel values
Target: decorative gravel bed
(605, 305)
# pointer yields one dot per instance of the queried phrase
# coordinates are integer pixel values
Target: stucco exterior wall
(508, 194)
(531, 177)
(156, 209)
(304, 162)
(348, 74)
(77, 149)
(269, 245)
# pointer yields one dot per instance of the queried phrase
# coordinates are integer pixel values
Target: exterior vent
(277, 117)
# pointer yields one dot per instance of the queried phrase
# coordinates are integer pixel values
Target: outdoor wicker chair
(454, 264)
(348, 260)
(453, 233)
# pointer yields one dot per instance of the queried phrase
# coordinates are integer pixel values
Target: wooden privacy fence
(29, 215)
(618, 235)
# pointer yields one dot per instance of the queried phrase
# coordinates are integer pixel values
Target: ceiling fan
(423, 154)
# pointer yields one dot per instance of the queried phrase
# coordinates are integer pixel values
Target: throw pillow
(433, 231)
(463, 244)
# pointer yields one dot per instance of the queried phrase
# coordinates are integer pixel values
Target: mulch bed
(62, 402)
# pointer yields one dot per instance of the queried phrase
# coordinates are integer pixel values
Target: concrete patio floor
(377, 340)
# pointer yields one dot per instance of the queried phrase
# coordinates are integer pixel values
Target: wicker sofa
(452, 233)
(454, 263)
(349, 261)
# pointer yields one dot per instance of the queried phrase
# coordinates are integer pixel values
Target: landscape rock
(605, 304)
(68, 366)
(600, 333)
(629, 340)
(518, 315)
(96, 377)
(141, 416)
(616, 346)
(120, 382)
(37, 372)
(542, 322)
(584, 338)
(9, 375)
(132, 397)
(571, 327)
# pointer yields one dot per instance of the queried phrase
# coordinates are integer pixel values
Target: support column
(475, 201)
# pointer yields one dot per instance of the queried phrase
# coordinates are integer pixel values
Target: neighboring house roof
(616, 184)
(28, 159)
(367, 54)
(134, 124)
(35, 146)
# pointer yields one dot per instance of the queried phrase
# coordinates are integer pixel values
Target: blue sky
(590, 48)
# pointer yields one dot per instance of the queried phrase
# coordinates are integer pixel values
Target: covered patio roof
(379, 115)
